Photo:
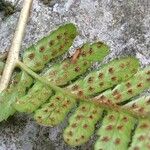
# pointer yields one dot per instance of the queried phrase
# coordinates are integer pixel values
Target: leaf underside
(114, 83)
(115, 131)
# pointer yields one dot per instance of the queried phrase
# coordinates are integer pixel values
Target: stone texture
(122, 24)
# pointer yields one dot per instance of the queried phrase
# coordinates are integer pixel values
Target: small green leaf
(58, 42)
(115, 132)
(36, 95)
(17, 88)
(141, 138)
(140, 105)
(126, 90)
(82, 124)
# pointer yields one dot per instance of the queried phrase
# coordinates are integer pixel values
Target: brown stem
(16, 45)
(3, 56)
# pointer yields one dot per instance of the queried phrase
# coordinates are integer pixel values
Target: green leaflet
(115, 132)
(58, 42)
(35, 97)
(141, 138)
(60, 104)
(126, 90)
(126, 66)
(80, 127)
(141, 105)
(61, 73)
(17, 88)
(109, 75)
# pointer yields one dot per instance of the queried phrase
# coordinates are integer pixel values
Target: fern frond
(123, 126)
(60, 74)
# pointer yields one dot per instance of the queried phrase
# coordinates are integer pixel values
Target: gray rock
(122, 24)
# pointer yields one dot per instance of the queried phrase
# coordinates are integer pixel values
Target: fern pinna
(110, 89)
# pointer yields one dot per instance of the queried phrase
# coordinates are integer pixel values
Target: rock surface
(122, 24)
